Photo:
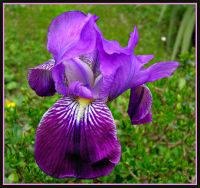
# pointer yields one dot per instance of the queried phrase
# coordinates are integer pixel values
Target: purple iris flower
(77, 137)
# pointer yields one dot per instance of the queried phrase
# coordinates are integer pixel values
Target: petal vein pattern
(70, 147)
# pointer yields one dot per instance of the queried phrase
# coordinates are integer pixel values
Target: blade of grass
(181, 30)
(173, 20)
(188, 33)
(162, 13)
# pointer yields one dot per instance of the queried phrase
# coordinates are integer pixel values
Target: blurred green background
(159, 152)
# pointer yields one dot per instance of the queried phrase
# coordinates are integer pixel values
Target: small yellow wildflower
(10, 104)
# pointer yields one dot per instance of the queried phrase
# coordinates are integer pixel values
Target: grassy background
(159, 152)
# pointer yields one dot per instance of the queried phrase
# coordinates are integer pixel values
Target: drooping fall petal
(40, 79)
(140, 103)
(77, 139)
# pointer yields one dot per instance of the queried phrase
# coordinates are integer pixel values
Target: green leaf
(11, 85)
(162, 13)
(188, 33)
(183, 25)
(182, 83)
(13, 178)
(173, 21)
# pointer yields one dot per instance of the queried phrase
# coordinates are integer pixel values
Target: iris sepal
(40, 79)
(77, 139)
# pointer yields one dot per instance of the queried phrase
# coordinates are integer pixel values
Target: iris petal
(146, 119)
(86, 43)
(40, 79)
(154, 72)
(58, 75)
(133, 41)
(116, 65)
(97, 87)
(143, 59)
(117, 71)
(122, 79)
(71, 34)
(77, 140)
(140, 103)
(77, 70)
(92, 60)
(73, 77)
(111, 47)
(121, 69)
(77, 88)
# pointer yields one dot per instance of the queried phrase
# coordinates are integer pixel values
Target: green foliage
(159, 152)
(184, 16)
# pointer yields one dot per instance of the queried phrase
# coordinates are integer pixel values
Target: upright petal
(117, 71)
(116, 65)
(140, 103)
(77, 70)
(40, 79)
(97, 87)
(71, 34)
(111, 47)
(92, 60)
(143, 59)
(86, 43)
(133, 41)
(121, 69)
(123, 77)
(77, 139)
